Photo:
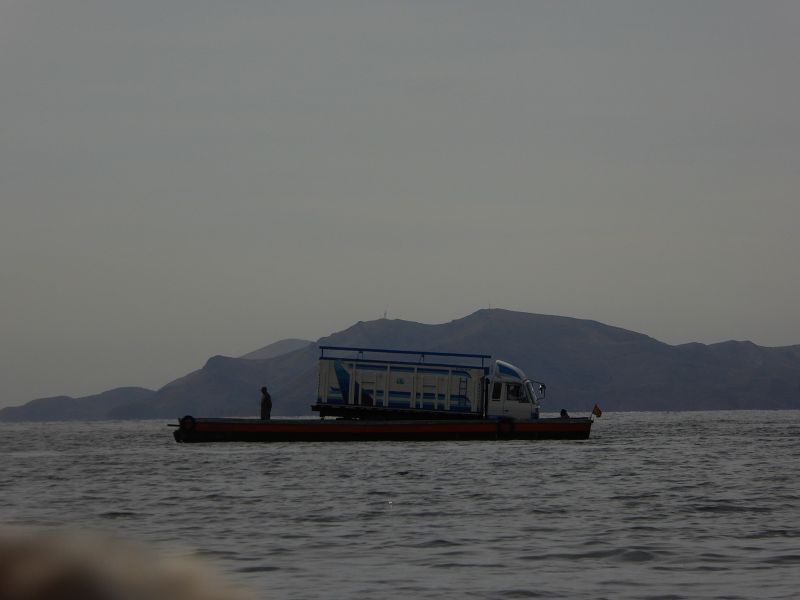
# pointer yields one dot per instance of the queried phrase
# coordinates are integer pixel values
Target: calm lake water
(654, 505)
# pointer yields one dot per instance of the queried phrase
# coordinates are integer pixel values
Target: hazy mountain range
(581, 361)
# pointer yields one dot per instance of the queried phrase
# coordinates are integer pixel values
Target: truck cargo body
(363, 381)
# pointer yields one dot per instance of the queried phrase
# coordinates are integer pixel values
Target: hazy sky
(186, 178)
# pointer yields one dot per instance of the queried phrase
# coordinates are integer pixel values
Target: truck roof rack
(360, 352)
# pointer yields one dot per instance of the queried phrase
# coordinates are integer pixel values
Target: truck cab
(511, 394)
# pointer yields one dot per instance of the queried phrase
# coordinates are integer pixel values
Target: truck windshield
(534, 392)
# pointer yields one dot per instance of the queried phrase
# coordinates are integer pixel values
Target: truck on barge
(381, 394)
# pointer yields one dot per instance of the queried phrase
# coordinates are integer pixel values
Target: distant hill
(65, 408)
(276, 349)
(581, 361)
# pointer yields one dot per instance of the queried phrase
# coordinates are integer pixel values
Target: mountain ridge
(582, 361)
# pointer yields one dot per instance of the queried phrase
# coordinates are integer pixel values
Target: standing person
(266, 404)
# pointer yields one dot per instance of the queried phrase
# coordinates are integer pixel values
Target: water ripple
(659, 506)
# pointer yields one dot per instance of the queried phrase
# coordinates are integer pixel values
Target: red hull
(220, 430)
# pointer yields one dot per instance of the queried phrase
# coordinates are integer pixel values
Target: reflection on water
(654, 505)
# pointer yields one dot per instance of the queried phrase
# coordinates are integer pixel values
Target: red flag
(596, 411)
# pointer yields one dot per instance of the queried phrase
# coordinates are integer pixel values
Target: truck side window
(496, 391)
(515, 393)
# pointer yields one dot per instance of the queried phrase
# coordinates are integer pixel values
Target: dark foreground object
(317, 430)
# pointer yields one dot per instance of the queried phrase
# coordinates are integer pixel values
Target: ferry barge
(368, 394)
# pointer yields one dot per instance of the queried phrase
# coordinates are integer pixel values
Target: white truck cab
(512, 394)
